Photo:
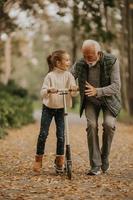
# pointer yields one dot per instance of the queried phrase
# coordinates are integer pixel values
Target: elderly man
(99, 84)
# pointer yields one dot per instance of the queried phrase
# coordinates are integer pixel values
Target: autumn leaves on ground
(18, 182)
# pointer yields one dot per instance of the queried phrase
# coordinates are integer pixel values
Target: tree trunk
(106, 16)
(123, 61)
(7, 69)
(130, 53)
(74, 44)
(74, 32)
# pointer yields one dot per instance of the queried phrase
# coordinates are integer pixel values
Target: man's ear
(100, 54)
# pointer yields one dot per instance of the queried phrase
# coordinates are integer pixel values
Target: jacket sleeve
(45, 87)
(115, 85)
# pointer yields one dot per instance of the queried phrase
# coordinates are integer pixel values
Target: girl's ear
(57, 63)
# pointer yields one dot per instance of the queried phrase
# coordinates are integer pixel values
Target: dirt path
(18, 182)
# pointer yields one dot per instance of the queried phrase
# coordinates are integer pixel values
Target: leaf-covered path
(18, 182)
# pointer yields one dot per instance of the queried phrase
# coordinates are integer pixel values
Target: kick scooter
(68, 160)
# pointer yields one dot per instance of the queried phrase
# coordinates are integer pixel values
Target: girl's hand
(52, 90)
(74, 88)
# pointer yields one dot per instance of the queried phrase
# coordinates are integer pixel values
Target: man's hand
(90, 90)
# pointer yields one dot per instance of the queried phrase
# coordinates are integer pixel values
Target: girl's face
(64, 64)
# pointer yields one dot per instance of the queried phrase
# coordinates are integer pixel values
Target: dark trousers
(47, 115)
(97, 156)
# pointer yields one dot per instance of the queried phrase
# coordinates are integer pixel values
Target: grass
(125, 117)
(37, 105)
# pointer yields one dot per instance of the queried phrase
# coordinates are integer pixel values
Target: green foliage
(15, 107)
(106, 36)
(110, 3)
(125, 117)
(14, 89)
(3, 133)
(2, 2)
(91, 19)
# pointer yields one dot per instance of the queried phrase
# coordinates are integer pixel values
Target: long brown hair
(54, 57)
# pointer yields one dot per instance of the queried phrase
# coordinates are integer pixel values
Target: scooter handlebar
(65, 90)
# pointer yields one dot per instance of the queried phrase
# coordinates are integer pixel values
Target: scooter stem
(66, 120)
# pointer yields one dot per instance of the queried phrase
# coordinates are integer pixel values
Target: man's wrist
(98, 92)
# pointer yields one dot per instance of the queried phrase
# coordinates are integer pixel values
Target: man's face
(91, 56)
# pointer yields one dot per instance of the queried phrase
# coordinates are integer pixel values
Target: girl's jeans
(47, 115)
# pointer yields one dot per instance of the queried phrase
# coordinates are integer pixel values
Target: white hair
(88, 43)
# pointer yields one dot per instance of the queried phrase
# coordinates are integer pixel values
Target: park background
(29, 31)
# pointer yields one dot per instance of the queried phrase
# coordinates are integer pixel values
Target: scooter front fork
(68, 155)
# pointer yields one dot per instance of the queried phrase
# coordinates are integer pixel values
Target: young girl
(57, 78)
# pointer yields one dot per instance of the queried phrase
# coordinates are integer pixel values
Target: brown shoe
(59, 163)
(38, 163)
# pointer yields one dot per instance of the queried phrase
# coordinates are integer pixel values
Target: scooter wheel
(69, 171)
